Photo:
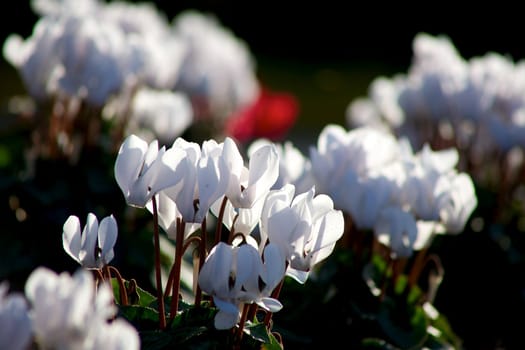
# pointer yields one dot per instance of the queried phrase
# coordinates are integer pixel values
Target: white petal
(214, 275)
(224, 319)
(129, 162)
(107, 236)
(270, 304)
(89, 241)
(274, 263)
(71, 238)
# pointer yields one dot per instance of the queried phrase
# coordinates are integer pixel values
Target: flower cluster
(270, 232)
(476, 106)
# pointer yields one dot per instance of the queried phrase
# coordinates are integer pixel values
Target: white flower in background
(142, 170)
(117, 335)
(93, 248)
(247, 185)
(60, 8)
(396, 229)
(477, 104)
(218, 68)
(91, 50)
(305, 229)
(348, 166)
(147, 30)
(67, 313)
(163, 113)
(94, 60)
(37, 57)
(15, 324)
(234, 275)
(456, 200)
(294, 167)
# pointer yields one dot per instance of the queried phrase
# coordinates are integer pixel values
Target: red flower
(270, 116)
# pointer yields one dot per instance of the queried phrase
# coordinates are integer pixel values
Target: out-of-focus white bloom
(15, 324)
(237, 274)
(36, 58)
(166, 114)
(348, 166)
(117, 335)
(93, 248)
(397, 230)
(218, 68)
(142, 171)
(68, 314)
(456, 200)
(477, 103)
(89, 50)
(294, 167)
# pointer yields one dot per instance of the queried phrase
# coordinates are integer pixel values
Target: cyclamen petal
(142, 171)
(129, 162)
(107, 237)
(89, 242)
(71, 237)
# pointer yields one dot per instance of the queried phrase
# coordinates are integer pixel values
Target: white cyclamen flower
(15, 324)
(294, 167)
(247, 185)
(142, 171)
(93, 248)
(306, 230)
(236, 274)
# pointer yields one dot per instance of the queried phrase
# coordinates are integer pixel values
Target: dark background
(321, 31)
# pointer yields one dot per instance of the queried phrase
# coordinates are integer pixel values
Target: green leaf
(135, 294)
(274, 344)
(143, 318)
(257, 331)
(447, 334)
(404, 328)
(155, 340)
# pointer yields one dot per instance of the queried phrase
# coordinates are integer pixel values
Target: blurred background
(326, 54)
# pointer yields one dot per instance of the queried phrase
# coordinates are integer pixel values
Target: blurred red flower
(271, 116)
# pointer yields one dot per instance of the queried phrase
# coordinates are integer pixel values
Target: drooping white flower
(234, 275)
(93, 248)
(142, 171)
(15, 324)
